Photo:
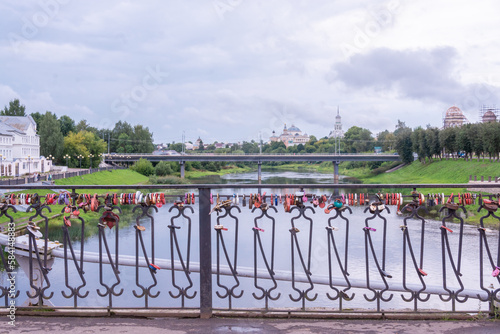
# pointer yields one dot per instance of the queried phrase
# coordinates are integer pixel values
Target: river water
(318, 254)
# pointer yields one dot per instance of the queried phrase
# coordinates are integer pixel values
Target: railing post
(205, 254)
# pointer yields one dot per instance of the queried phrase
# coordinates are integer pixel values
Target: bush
(163, 168)
(144, 167)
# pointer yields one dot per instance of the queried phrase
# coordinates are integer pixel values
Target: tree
(67, 125)
(176, 147)
(448, 140)
(144, 167)
(142, 140)
(124, 144)
(358, 140)
(84, 126)
(201, 147)
(163, 168)
(15, 109)
(120, 127)
(404, 144)
(37, 117)
(83, 143)
(51, 138)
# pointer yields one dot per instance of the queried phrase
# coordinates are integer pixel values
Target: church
(290, 137)
(337, 130)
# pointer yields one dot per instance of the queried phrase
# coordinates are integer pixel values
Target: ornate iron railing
(270, 253)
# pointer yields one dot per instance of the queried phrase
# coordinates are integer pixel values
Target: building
(489, 114)
(20, 147)
(454, 117)
(290, 137)
(337, 130)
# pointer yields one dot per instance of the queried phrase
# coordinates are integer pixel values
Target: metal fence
(289, 251)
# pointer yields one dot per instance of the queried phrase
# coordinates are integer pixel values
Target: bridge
(359, 257)
(256, 158)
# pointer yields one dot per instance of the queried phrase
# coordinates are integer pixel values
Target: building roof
(294, 128)
(21, 123)
(6, 129)
(489, 116)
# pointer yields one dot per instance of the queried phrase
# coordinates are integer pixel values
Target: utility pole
(183, 141)
(260, 142)
(108, 143)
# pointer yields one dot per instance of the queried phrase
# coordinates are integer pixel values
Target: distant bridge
(257, 158)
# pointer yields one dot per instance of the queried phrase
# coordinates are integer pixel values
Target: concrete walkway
(70, 325)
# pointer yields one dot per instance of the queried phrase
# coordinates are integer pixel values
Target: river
(318, 258)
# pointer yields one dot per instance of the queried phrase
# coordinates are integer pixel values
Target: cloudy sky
(228, 70)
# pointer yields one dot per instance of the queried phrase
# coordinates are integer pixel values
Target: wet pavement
(71, 325)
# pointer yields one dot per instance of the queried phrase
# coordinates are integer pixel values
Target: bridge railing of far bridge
(290, 249)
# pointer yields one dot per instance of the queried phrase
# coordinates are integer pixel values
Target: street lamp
(91, 156)
(29, 165)
(67, 157)
(1, 165)
(80, 158)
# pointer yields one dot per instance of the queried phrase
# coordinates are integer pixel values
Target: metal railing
(289, 252)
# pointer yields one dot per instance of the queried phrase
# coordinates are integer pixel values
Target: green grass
(444, 171)
(112, 177)
(192, 174)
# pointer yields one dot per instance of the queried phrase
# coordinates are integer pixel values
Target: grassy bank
(112, 177)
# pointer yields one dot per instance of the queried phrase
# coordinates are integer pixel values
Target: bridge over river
(256, 158)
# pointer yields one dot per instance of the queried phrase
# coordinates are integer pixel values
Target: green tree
(176, 147)
(448, 140)
(201, 148)
(358, 140)
(120, 127)
(142, 140)
(83, 143)
(37, 117)
(163, 168)
(144, 167)
(15, 109)
(67, 125)
(51, 138)
(84, 126)
(124, 144)
(404, 144)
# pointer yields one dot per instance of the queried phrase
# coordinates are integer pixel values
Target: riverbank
(193, 174)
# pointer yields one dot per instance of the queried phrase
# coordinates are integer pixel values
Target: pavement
(32, 324)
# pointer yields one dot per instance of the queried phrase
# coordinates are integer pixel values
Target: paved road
(72, 325)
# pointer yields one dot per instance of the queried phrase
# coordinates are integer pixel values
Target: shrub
(163, 168)
(144, 167)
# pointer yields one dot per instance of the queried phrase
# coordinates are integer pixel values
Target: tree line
(80, 143)
(466, 141)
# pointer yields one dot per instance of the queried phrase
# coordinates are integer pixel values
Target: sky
(234, 70)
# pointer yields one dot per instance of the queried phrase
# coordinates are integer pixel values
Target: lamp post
(29, 165)
(79, 157)
(67, 157)
(91, 156)
(1, 165)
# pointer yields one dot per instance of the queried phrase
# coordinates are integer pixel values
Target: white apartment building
(20, 147)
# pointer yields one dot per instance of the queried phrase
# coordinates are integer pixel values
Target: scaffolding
(488, 113)
(454, 117)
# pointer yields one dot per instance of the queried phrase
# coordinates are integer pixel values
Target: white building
(290, 137)
(337, 130)
(20, 147)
